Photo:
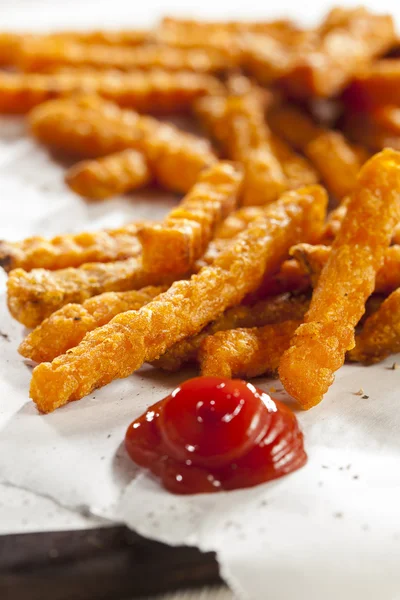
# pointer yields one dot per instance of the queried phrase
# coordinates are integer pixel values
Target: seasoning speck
(5, 336)
(365, 397)
(393, 367)
(359, 393)
(338, 515)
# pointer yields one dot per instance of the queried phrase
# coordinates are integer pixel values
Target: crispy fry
(380, 335)
(314, 258)
(32, 297)
(66, 327)
(376, 84)
(334, 222)
(237, 123)
(38, 55)
(348, 278)
(131, 338)
(272, 310)
(246, 352)
(9, 44)
(175, 158)
(362, 128)
(297, 169)
(153, 91)
(174, 245)
(347, 42)
(71, 250)
(109, 176)
(199, 29)
(291, 277)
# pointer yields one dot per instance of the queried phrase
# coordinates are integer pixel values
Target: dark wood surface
(98, 564)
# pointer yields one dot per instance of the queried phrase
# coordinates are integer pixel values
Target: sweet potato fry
(291, 277)
(38, 55)
(199, 29)
(71, 250)
(362, 128)
(33, 296)
(152, 91)
(66, 327)
(319, 346)
(314, 258)
(109, 176)
(380, 335)
(297, 169)
(9, 44)
(131, 338)
(175, 158)
(246, 352)
(376, 84)
(334, 222)
(175, 244)
(271, 310)
(347, 42)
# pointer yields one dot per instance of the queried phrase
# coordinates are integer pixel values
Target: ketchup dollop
(213, 434)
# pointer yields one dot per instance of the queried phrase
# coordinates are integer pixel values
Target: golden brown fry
(376, 84)
(380, 335)
(319, 346)
(109, 176)
(314, 258)
(246, 352)
(37, 55)
(71, 250)
(334, 222)
(32, 297)
(153, 91)
(131, 338)
(198, 29)
(175, 158)
(9, 44)
(347, 43)
(291, 277)
(297, 169)
(66, 327)
(174, 245)
(362, 128)
(271, 310)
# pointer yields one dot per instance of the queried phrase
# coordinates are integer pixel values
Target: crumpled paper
(328, 531)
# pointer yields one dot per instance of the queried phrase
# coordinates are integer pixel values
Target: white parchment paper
(328, 531)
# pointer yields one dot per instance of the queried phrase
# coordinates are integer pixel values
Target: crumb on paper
(5, 336)
(393, 367)
(356, 477)
(325, 466)
(338, 515)
(359, 393)
(365, 397)
(272, 389)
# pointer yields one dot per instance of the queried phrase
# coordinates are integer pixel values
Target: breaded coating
(134, 337)
(39, 54)
(66, 327)
(33, 296)
(111, 175)
(271, 310)
(380, 335)
(237, 123)
(349, 39)
(71, 250)
(333, 156)
(319, 346)
(246, 352)
(175, 244)
(314, 258)
(152, 91)
(175, 158)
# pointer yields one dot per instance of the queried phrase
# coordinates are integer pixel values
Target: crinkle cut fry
(33, 296)
(154, 91)
(319, 346)
(344, 46)
(380, 335)
(175, 244)
(38, 55)
(66, 327)
(271, 310)
(71, 250)
(246, 352)
(109, 176)
(238, 125)
(93, 127)
(314, 258)
(132, 338)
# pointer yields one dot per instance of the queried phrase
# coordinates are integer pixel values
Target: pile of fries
(283, 256)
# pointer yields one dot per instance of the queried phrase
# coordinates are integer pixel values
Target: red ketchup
(213, 434)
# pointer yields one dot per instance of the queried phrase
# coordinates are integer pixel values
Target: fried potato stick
(109, 176)
(380, 335)
(134, 337)
(34, 296)
(375, 85)
(349, 39)
(66, 327)
(153, 91)
(246, 352)
(364, 129)
(271, 310)
(314, 258)
(319, 346)
(71, 250)
(94, 127)
(38, 55)
(175, 244)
